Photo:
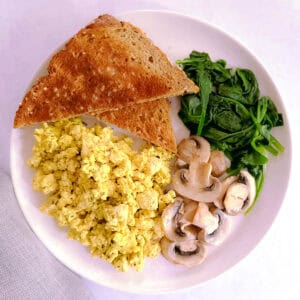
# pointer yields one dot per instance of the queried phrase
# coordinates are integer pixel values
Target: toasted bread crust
(105, 66)
(150, 121)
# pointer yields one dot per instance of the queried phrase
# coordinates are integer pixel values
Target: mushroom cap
(189, 253)
(218, 236)
(196, 183)
(193, 146)
(220, 162)
(175, 227)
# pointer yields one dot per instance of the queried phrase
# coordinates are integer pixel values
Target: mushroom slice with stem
(202, 172)
(193, 146)
(190, 209)
(175, 227)
(225, 185)
(196, 182)
(220, 162)
(249, 180)
(241, 194)
(189, 253)
(181, 164)
(218, 236)
(204, 219)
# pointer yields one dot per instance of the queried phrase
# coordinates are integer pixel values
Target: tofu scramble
(109, 196)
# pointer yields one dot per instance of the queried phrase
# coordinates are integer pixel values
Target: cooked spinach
(230, 114)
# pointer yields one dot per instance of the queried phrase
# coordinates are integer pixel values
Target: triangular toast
(105, 66)
(150, 121)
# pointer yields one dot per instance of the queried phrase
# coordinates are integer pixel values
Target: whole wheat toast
(150, 121)
(106, 66)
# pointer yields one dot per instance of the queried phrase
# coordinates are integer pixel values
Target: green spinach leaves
(230, 114)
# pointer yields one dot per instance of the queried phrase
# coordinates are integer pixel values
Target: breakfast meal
(128, 198)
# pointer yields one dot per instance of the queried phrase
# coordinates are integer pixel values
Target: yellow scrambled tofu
(108, 195)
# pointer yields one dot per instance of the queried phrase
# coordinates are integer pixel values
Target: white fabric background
(31, 30)
(27, 269)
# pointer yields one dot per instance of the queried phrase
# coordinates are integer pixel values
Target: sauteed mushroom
(218, 236)
(194, 146)
(196, 182)
(189, 253)
(220, 162)
(176, 228)
(198, 218)
(190, 207)
(241, 194)
(181, 164)
(204, 219)
(225, 185)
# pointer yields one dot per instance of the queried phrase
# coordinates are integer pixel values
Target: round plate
(177, 36)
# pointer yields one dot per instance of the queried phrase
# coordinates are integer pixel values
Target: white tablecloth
(31, 30)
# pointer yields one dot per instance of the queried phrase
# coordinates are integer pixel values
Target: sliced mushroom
(189, 253)
(204, 219)
(190, 209)
(240, 195)
(181, 164)
(194, 146)
(176, 228)
(218, 236)
(220, 162)
(196, 182)
(225, 185)
(236, 196)
(200, 173)
(187, 201)
(249, 180)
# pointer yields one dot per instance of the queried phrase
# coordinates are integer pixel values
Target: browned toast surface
(105, 66)
(150, 121)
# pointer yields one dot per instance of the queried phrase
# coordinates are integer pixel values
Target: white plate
(177, 36)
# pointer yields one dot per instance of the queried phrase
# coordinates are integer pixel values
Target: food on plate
(109, 196)
(194, 147)
(107, 65)
(175, 227)
(219, 163)
(124, 204)
(240, 194)
(230, 113)
(225, 185)
(218, 236)
(188, 253)
(150, 121)
(207, 197)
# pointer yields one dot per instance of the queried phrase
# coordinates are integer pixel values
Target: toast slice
(150, 121)
(106, 66)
